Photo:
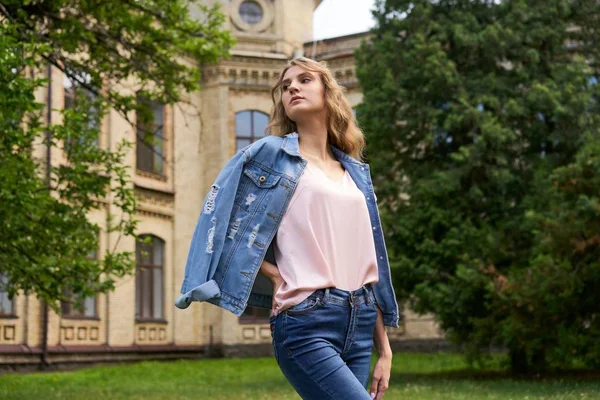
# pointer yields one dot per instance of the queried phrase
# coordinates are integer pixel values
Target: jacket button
(262, 178)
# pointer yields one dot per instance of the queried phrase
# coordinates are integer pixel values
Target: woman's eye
(304, 80)
(284, 87)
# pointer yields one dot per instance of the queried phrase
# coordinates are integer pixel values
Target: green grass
(414, 376)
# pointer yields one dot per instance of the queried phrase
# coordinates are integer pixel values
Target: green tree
(45, 234)
(482, 121)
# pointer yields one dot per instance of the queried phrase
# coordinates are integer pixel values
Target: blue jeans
(323, 345)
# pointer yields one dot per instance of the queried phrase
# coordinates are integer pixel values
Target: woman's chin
(298, 115)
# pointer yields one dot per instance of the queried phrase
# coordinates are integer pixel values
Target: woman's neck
(313, 140)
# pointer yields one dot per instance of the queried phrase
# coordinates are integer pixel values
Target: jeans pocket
(312, 302)
(272, 320)
(272, 324)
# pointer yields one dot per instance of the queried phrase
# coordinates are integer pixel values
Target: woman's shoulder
(264, 147)
(271, 141)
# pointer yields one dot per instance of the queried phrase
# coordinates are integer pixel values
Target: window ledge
(80, 318)
(140, 185)
(151, 321)
(151, 175)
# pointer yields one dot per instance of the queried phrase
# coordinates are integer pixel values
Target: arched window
(149, 278)
(249, 127)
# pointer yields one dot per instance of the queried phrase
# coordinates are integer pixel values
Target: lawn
(414, 376)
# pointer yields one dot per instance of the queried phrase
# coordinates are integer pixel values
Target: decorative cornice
(154, 197)
(153, 214)
(154, 203)
(256, 74)
(245, 73)
(258, 56)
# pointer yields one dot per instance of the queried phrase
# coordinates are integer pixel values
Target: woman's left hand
(381, 377)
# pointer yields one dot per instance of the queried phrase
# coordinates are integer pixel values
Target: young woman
(303, 193)
(325, 316)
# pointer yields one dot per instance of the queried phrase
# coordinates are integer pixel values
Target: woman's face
(302, 93)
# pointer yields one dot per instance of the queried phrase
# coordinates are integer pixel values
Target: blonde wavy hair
(342, 130)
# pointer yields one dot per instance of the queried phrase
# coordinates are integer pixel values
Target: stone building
(138, 320)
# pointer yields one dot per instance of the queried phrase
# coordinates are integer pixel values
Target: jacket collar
(290, 146)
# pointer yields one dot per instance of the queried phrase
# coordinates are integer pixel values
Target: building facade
(138, 319)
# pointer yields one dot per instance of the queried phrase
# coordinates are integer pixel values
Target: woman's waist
(287, 296)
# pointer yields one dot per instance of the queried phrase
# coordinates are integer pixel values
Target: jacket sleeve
(209, 236)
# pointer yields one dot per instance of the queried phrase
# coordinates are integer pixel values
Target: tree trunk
(538, 360)
(518, 361)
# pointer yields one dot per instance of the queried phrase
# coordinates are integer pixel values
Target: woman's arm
(272, 272)
(383, 367)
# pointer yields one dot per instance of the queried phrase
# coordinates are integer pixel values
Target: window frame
(79, 314)
(158, 137)
(68, 311)
(139, 293)
(70, 95)
(252, 136)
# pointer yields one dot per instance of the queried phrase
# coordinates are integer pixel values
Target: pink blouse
(325, 239)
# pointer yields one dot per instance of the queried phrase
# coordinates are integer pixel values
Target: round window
(251, 12)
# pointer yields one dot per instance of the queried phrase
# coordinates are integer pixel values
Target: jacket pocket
(261, 177)
(257, 182)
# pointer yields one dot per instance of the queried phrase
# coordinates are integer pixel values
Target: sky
(342, 17)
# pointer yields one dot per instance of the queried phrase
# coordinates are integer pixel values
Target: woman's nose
(292, 88)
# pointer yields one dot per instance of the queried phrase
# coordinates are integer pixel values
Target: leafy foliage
(103, 47)
(482, 117)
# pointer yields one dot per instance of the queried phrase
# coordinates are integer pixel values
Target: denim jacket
(240, 217)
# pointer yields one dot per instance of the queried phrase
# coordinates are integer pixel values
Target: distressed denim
(323, 345)
(240, 217)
